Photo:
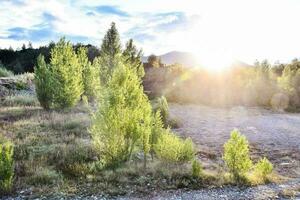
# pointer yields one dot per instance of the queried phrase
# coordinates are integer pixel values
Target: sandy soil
(275, 135)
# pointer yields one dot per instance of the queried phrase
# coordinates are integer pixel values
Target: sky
(219, 30)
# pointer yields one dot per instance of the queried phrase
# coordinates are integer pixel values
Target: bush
(5, 72)
(172, 149)
(123, 119)
(236, 155)
(196, 169)
(263, 168)
(6, 166)
(43, 83)
(162, 105)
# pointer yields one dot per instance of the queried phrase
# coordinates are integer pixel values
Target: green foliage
(43, 83)
(111, 44)
(162, 106)
(171, 149)
(196, 169)
(123, 119)
(90, 75)
(5, 72)
(67, 75)
(263, 168)
(157, 129)
(236, 155)
(6, 166)
(133, 57)
(154, 61)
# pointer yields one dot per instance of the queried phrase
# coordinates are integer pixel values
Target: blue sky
(231, 29)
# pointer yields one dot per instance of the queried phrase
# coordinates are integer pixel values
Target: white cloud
(247, 30)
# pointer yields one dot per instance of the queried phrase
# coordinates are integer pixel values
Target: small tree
(90, 75)
(43, 83)
(111, 44)
(67, 75)
(133, 57)
(154, 61)
(6, 166)
(236, 155)
(123, 119)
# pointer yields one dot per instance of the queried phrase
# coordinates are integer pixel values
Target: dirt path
(272, 134)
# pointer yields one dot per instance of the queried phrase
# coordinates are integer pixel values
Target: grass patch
(20, 100)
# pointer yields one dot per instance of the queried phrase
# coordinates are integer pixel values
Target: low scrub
(5, 72)
(197, 169)
(172, 149)
(6, 166)
(20, 100)
(44, 176)
(236, 156)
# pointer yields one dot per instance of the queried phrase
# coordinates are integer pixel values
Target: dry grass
(54, 154)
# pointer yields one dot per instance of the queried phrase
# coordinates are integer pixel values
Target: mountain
(185, 58)
(189, 60)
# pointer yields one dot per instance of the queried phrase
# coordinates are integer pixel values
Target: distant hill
(188, 59)
(185, 58)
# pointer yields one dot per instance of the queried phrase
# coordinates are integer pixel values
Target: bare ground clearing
(275, 135)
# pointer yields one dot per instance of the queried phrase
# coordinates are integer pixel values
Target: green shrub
(157, 130)
(236, 156)
(43, 83)
(170, 148)
(6, 166)
(122, 122)
(5, 72)
(67, 75)
(162, 105)
(196, 169)
(263, 168)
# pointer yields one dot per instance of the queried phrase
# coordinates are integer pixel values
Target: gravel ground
(275, 135)
(271, 191)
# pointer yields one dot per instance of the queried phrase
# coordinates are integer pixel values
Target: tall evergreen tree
(90, 74)
(67, 74)
(133, 57)
(110, 54)
(43, 83)
(111, 44)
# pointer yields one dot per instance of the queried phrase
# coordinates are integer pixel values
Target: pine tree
(110, 54)
(90, 75)
(111, 44)
(67, 75)
(43, 83)
(123, 120)
(133, 57)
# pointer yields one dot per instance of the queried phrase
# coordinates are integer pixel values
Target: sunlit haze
(218, 32)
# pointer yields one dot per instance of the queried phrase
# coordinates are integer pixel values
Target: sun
(215, 61)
